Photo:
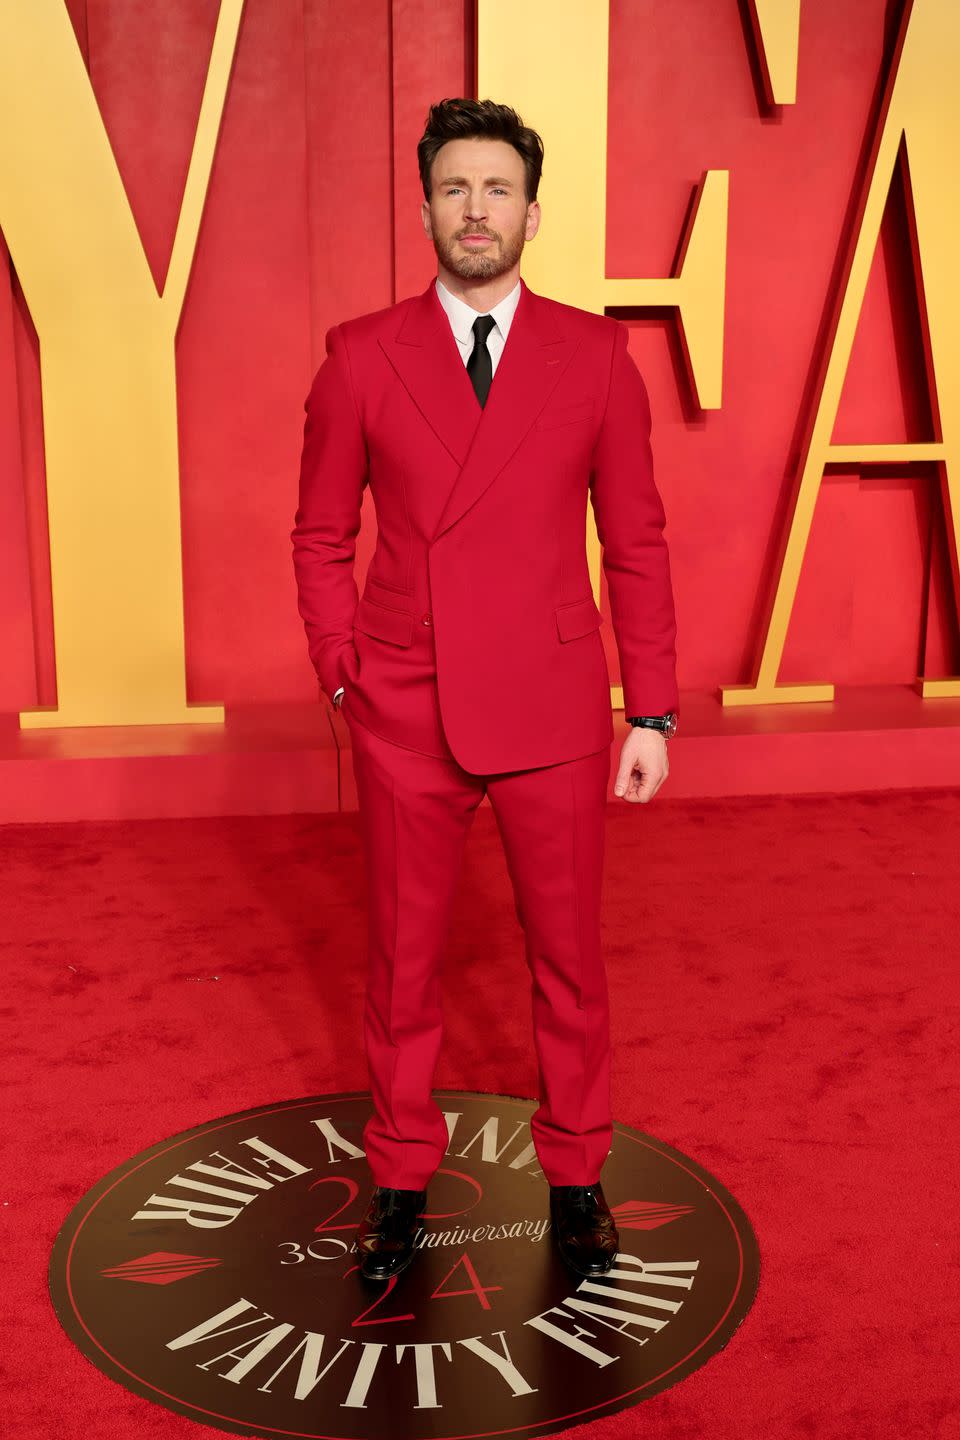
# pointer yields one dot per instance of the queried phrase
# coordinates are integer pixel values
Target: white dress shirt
(461, 317)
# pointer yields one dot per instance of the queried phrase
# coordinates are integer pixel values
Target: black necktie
(480, 366)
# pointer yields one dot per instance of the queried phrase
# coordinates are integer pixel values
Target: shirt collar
(463, 315)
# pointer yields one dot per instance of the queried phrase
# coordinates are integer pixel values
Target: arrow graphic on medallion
(161, 1267)
(647, 1214)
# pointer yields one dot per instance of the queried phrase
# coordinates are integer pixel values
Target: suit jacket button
(426, 619)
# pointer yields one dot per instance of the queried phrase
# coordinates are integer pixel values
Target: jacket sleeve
(333, 473)
(630, 523)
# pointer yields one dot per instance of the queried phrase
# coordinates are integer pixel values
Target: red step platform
(284, 758)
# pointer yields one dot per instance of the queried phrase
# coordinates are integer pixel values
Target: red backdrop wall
(312, 217)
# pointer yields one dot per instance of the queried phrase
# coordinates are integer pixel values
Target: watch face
(670, 729)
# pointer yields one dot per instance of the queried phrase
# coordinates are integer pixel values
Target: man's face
(478, 190)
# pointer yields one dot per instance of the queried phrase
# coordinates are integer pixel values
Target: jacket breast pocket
(383, 622)
(565, 414)
(579, 617)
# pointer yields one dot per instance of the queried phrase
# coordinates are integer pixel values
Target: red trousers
(415, 812)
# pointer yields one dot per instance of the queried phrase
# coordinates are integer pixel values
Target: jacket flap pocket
(383, 622)
(578, 618)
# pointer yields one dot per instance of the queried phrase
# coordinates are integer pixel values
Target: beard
(495, 259)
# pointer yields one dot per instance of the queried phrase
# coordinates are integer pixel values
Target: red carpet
(784, 985)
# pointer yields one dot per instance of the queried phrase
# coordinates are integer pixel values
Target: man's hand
(643, 765)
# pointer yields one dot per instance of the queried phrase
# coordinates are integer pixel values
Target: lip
(475, 239)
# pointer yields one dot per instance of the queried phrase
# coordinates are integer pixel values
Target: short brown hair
(463, 119)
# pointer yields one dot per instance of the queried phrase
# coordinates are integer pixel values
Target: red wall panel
(312, 216)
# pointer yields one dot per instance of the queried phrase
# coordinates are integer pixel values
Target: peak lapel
(536, 353)
(427, 360)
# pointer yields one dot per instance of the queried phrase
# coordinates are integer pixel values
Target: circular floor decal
(216, 1274)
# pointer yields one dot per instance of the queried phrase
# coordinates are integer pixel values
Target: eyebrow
(462, 180)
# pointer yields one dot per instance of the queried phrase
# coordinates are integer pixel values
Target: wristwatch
(666, 724)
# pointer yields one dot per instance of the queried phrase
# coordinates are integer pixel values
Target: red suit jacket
(477, 635)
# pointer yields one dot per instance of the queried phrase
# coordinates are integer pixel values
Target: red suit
(473, 664)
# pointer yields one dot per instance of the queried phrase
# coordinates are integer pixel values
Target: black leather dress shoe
(583, 1227)
(386, 1233)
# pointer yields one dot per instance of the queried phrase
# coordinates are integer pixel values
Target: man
(482, 415)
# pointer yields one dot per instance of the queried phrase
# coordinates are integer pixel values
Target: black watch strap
(666, 724)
